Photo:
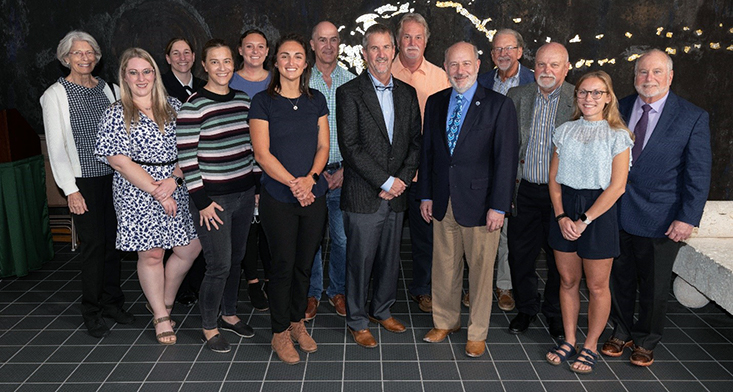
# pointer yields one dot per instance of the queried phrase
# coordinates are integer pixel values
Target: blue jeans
(337, 264)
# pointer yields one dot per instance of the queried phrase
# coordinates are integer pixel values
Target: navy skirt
(600, 240)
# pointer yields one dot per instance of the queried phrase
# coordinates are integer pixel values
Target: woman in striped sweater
(216, 156)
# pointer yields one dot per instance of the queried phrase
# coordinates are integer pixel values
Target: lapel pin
(478, 103)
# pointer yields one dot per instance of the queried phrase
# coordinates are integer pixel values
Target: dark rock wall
(700, 32)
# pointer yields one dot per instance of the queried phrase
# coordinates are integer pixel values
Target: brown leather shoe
(505, 300)
(283, 346)
(437, 335)
(424, 302)
(642, 356)
(299, 334)
(391, 324)
(312, 308)
(466, 301)
(338, 302)
(364, 338)
(475, 348)
(614, 347)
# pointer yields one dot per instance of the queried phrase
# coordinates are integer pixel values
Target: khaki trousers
(450, 242)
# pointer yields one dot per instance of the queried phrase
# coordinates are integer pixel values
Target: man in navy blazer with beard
(665, 194)
(468, 163)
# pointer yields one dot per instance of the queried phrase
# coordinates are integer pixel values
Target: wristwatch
(315, 177)
(179, 180)
(584, 218)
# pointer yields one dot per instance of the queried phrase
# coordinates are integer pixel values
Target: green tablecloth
(25, 233)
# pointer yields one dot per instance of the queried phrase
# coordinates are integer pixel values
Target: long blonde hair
(610, 111)
(162, 110)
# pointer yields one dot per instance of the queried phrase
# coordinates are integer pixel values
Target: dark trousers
(294, 234)
(372, 252)
(223, 250)
(527, 234)
(421, 235)
(100, 261)
(647, 261)
(257, 248)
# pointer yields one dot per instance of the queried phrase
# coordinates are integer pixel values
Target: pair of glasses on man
(595, 94)
(505, 49)
(146, 72)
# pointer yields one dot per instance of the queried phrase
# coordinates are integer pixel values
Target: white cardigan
(62, 154)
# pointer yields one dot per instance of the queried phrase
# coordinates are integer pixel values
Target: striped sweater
(214, 146)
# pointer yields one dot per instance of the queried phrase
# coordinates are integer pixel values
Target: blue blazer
(486, 79)
(480, 174)
(670, 179)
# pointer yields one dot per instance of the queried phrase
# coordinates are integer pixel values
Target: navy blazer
(670, 179)
(175, 89)
(480, 173)
(486, 79)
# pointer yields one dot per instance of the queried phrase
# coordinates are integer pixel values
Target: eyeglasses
(504, 49)
(146, 72)
(79, 53)
(596, 94)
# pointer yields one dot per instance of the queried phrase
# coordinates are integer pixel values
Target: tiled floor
(44, 347)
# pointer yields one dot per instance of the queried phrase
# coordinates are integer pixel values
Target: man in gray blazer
(378, 119)
(541, 107)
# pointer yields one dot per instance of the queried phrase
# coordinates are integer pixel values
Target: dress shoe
(121, 316)
(97, 327)
(364, 338)
(521, 322)
(282, 344)
(424, 302)
(641, 356)
(391, 324)
(312, 308)
(240, 327)
(187, 298)
(475, 348)
(505, 300)
(299, 334)
(614, 347)
(437, 335)
(338, 302)
(554, 325)
(466, 301)
(257, 297)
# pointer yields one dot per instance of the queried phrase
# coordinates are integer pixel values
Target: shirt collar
(468, 95)
(509, 79)
(657, 106)
(376, 82)
(554, 94)
(189, 84)
(423, 68)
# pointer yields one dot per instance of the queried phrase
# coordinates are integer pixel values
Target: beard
(544, 81)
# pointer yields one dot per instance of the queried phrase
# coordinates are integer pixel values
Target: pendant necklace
(295, 105)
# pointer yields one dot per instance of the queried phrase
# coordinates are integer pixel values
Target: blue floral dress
(142, 223)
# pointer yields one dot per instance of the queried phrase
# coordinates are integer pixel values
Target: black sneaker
(257, 297)
(97, 327)
(240, 328)
(187, 298)
(121, 316)
(217, 344)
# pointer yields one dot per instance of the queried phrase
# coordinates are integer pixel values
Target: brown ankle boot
(284, 348)
(299, 334)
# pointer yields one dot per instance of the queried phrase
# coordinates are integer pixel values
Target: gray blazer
(524, 97)
(369, 158)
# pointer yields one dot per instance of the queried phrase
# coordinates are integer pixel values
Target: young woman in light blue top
(588, 174)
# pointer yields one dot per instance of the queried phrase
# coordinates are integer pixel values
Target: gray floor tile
(325, 371)
(91, 372)
(130, 372)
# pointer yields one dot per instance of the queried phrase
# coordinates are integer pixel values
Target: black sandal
(562, 353)
(587, 358)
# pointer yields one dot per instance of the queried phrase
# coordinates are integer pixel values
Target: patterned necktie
(455, 123)
(640, 132)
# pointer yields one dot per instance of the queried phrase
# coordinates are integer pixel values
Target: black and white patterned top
(86, 108)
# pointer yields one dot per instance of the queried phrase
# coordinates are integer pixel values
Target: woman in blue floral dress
(137, 137)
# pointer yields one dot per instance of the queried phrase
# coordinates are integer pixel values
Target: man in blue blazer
(665, 194)
(468, 162)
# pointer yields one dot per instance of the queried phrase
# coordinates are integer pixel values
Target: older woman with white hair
(72, 108)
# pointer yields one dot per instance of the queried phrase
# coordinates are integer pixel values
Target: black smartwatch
(584, 218)
(315, 177)
(179, 181)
